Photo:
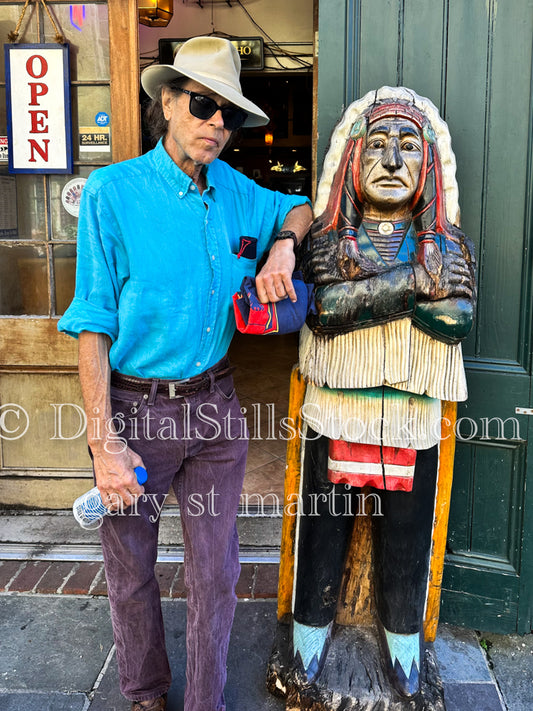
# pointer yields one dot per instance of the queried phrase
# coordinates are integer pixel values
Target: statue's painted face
(390, 162)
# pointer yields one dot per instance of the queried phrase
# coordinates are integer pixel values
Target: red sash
(390, 468)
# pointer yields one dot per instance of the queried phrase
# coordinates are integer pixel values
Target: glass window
(9, 15)
(65, 275)
(30, 202)
(91, 142)
(8, 206)
(65, 191)
(21, 204)
(23, 280)
(3, 113)
(87, 27)
(37, 277)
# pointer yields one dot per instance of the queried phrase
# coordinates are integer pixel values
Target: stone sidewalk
(56, 648)
(57, 654)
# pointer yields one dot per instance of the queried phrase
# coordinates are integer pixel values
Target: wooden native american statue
(395, 292)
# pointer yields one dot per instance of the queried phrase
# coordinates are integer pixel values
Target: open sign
(38, 105)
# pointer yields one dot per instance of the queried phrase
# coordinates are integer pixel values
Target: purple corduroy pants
(198, 446)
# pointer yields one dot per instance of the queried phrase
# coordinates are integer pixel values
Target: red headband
(397, 110)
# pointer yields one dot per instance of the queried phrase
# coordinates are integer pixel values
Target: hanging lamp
(155, 13)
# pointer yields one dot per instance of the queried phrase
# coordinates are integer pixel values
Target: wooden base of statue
(361, 683)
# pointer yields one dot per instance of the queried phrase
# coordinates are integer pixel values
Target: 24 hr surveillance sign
(38, 108)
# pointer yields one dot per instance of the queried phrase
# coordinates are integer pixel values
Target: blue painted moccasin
(403, 655)
(310, 648)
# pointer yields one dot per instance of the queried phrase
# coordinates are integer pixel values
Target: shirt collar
(174, 174)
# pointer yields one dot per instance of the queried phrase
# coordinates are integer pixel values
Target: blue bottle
(88, 509)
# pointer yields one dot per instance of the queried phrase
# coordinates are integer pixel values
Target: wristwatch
(287, 234)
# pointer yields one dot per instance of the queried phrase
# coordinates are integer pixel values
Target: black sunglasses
(203, 107)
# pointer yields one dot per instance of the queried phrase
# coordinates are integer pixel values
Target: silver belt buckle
(172, 394)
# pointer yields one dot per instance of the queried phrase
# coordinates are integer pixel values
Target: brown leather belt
(173, 388)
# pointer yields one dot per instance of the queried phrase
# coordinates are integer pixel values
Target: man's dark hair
(154, 118)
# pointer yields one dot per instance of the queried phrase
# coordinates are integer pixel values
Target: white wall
(283, 20)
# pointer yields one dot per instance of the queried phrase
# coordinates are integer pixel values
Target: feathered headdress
(434, 205)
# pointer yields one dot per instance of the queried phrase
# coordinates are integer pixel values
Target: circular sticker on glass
(101, 119)
(71, 196)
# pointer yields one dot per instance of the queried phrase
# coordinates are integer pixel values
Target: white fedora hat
(213, 62)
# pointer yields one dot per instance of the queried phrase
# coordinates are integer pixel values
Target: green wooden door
(473, 59)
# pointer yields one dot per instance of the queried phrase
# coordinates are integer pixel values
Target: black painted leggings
(401, 542)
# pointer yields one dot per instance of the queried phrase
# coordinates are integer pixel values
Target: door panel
(424, 49)
(473, 59)
(486, 519)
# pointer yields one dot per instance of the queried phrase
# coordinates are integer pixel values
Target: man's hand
(115, 478)
(274, 281)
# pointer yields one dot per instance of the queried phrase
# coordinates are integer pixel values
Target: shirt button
(213, 257)
(198, 364)
(193, 187)
(180, 193)
(212, 291)
(208, 329)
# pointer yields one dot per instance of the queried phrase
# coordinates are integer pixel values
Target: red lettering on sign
(37, 67)
(36, 89)
(37, 122)
(30, 66)
(41, 150)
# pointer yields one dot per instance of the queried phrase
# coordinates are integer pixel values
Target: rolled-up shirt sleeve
(95, 304)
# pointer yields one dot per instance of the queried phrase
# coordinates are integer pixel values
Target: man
(164, 242)
(395, 295)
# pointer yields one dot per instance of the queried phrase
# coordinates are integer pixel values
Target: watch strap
(287, 234)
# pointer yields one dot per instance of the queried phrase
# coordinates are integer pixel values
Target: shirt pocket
(241, 267)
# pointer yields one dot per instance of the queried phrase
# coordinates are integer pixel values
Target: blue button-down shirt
(158, 262)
